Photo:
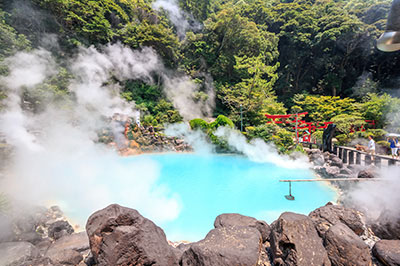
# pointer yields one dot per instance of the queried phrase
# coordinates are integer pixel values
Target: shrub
(343, 139)
(198, 123)
(222, 121)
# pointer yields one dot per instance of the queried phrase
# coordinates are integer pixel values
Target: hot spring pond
(209, 185)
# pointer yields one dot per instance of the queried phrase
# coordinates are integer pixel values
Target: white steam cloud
(56, 157)
(177, 16)
(259, 151)
(379, 197)
(256, 150)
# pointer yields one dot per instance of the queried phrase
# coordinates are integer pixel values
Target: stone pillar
(340, 153)
(358, 158)
(345, 156)
(367, 159)
(377, 161)
(351, 157)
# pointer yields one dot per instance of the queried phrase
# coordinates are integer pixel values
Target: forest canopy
(262, 56)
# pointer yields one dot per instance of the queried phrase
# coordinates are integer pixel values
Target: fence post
(351, 157)
(377, 161)
(344, 156)
(340, 153)
(358, 158)
(367, 159)
(335, 150)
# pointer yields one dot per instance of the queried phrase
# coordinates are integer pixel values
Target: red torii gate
(302, 124)
(308, 126)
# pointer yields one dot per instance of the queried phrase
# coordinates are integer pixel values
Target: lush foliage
(263, 56)
(272, 133)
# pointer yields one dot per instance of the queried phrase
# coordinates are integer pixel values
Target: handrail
(385, 157)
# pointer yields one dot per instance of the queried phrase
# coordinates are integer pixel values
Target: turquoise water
(209, 185)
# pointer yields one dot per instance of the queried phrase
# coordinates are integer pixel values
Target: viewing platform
(352, 156)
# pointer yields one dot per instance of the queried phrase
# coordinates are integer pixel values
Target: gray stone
(16, 253)
(295, 242)
(344, 247)
(59, 229)
(387, 252)
(329, 215)
(121, 236)
(238, 220)
(225, 246)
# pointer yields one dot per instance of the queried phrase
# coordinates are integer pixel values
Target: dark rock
(329, 215)
(335, 161)
(387, 252)
(40, 262)
(43, 246)
(295, 242)
(89, 260)
(317, 159)
(121, 236)
(66, 250)
(17, 253)
(344, 247)
(366, 174)
(332, 171)
(31, 237)
(238, 220)
(59, 229)
(78, 242)
(225, 246)
(346, 171)
(68, 257)
(387, 226)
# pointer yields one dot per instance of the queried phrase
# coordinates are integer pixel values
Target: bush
(198, 123)
(222, 121)
(282, 138)
(343, 139)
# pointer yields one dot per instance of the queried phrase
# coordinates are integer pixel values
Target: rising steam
(178, 17)
(56, 155)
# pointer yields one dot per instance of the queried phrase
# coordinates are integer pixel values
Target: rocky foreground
(116, 235)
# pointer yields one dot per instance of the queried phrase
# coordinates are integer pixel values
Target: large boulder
(121, 236)
(295, 242)
(238, 220)
(344, 247)
(17, 253)
(225, 246)
(68, 249)
(387, 252)
(329, 215)
(387, 226)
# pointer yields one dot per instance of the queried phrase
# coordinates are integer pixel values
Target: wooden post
(344, 156)
(367, 159)
(377, 161)
(351, 157)
(310, 145)
(358, 158)
(340, 153)
(335, 150)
